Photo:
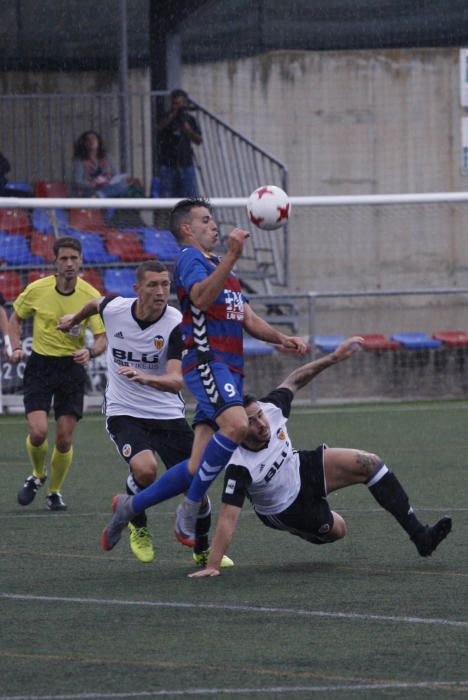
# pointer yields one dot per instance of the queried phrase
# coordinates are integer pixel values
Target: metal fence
(38, 133)
(396, 374)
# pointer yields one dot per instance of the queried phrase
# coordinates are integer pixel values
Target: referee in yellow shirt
(56, 367)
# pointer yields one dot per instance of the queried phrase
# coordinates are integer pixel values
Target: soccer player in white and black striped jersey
(144, 407)
(288, 489)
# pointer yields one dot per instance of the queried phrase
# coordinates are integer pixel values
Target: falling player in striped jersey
(288, 488)
(215, 314)
(144, 408)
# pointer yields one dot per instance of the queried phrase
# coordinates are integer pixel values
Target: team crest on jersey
(158, 342)
(280, 434)
(127, 450)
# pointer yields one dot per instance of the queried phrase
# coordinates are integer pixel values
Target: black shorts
(57, 378)
(309, 516)
(171, 439)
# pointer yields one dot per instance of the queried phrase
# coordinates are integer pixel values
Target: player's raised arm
(225, 528)
(204, 293)
(303, 375)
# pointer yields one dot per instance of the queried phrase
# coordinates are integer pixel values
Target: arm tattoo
(303, 375)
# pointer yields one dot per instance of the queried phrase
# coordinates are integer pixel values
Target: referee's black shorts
(309, 516)
(57, 378)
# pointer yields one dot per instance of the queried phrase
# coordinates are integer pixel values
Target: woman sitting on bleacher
(94, 172)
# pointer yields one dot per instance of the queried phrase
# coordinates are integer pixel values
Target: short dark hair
(178, 92)
(181, 213)
(67, 242)
(248, 399)
(150, 266)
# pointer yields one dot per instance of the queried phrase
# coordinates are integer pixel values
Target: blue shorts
(215, 388)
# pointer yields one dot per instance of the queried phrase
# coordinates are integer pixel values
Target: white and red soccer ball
(268, 207)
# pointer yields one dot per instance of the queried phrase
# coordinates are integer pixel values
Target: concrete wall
(348, 122)
(356, 122)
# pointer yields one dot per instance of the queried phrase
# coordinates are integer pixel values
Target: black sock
(202, 527)
(391, 495)
(140, 520)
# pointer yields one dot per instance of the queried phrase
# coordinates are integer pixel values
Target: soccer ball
(268, 207)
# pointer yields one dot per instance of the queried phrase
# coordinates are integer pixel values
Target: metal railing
(38, 133)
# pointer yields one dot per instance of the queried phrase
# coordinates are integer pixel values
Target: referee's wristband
(92, 353)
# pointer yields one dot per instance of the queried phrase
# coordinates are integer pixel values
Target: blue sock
(175, 480)
(215, 457)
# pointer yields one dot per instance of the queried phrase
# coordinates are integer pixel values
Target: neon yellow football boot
(141, 544)
(201, 560)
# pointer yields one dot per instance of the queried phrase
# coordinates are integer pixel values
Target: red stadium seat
(51, 188)
(126, 245)
(376, 341)
(15, 221)
(10, 284)
(93, 277)
(43, 244)
(454, 339)
(34, 275)
(87, 220)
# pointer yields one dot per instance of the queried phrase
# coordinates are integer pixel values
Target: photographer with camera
(177, 131)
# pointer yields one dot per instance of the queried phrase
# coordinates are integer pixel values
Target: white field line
(253, 609)
(275, 690)
(162, 511)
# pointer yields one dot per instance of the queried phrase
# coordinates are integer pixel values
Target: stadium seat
(253, 346)
(127, 245)
(15, 221)
(120, 281)
(34, 275)
(10, 284)
(328, 343)
(51, 188)
(376, 341)
(160, 243)
(87, 220)
(93, 277)
(416, 341)
(453, 339)
(19, 187)
(50, 220)
(93, 248)
(14, 250)
(42, 244)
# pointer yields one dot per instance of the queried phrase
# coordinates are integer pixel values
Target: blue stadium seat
(120, 281)
(416, 341)
(253, 346)
(160, 243)
(20, 187)
(328, 343)
(93, 247)
(43, 220)
(14, 250)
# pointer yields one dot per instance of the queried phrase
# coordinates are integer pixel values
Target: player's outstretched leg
(185, 524)
(430, 536)
(216, 455)
(123, 513)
